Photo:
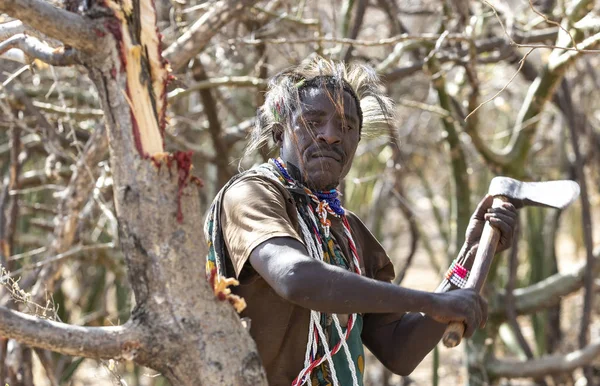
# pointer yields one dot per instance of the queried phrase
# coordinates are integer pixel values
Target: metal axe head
(553, 194)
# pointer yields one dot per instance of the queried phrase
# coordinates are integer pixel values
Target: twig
(358, 21)
(425, 107)
(60, 256)
(414, 231)
(226, 81)
(521, 63)
(511, 313)
(197, 37)
(481, 46)
(288, 17)
(426, 37)
(521, 45)
(35, 189)
(588, 280)
(27, 254)
(509, 301)
(15, 75)
(73, 198)
(437, 47)
(547, 20)
(214, 126)
(46, 360)
(34, 178)
(68, 27)
(78, 112)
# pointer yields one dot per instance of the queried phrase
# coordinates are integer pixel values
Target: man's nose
(330, 133)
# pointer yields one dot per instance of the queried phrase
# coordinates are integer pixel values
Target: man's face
(323, 137)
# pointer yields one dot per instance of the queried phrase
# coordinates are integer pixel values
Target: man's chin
(323, 183)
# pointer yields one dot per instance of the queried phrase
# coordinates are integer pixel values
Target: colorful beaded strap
(457, 275)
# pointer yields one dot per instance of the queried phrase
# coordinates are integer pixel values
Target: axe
(552, 194)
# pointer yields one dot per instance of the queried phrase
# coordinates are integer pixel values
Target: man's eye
(347, 127)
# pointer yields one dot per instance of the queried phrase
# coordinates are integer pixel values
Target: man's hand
(504, 218)
(463, 305)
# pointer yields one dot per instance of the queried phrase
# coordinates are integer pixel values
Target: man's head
(316, 113)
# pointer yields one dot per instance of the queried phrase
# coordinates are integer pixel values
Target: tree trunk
(178, 326)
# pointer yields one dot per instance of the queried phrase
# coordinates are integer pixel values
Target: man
(316, 281)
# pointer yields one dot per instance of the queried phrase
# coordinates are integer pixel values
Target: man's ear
(277, 133)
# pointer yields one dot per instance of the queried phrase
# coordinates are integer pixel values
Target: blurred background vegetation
(525, 73)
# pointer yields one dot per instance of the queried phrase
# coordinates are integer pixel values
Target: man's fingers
(469, 329)
(503, 216)
(484, 312)
(483, 206)
(504, 228)
(507, 208)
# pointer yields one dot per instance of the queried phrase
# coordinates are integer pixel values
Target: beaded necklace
(325, 203)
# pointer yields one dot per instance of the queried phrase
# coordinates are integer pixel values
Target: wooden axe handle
(481, 266)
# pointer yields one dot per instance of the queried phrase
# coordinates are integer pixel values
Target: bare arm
(400, 342)
(286, 266)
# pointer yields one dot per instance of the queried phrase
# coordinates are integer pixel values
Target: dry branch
(81, 113)
(215, 129)
(70, 28)
(543, 294)
(540, 91)
(576, 125)
(226, 81)
(92, 342)
(195, 40)
(34, 48)
(11, 28)
(481, 46)
(546, 365)
(425, 37)
(73, 199)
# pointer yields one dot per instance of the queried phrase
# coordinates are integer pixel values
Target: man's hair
(375, 109)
